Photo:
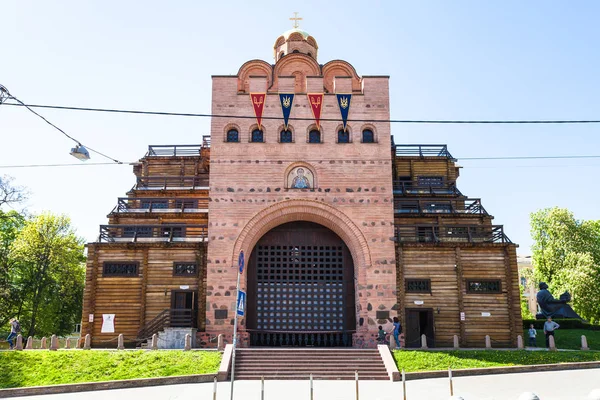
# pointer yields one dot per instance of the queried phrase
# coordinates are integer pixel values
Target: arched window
(257, 136)
(314, 136)
(368, 136)
(233, 135)
(343, 136)
(296, 51)
(309, 54)
(285, 136)
(281, 55)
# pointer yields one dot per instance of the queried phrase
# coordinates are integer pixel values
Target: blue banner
(344, 103)
(287, 100)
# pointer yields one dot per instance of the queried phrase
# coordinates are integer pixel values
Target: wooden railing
(409, 187)
(451, 233)
(153, 233)
(170, 318)
(169, 182)
(159, 204)
(422, 150)
(439, 206)
(300, 338)
(179, 150)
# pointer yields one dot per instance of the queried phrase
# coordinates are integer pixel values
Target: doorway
(183, 309)
(419, 322)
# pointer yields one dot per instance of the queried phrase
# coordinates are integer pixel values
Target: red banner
(316, 105)
(258, 103)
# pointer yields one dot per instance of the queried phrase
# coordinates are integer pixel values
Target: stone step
(289, 376)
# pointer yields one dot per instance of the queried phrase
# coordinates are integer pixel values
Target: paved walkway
(555, 385)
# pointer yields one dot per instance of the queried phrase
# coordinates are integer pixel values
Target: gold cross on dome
(295, 19)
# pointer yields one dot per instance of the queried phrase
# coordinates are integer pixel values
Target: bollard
(520, 342)
(43, 343)
(121, 342)
(424, 342)
(584, 345)
(528, 396)
(215, 389)
(594, 395)
(87, 344)
(68, 343)
(403, 385)
(552, 343)
(154, 345)
(456, 343)
(356, 379)
(188, 342)
(29, 344)
(19, 345)
(220, 345)
(450, 380)
(53, 343)
(488, 342)
(311, 387)
(262, 388)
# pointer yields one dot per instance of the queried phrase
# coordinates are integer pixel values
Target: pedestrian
(549, 328)
(15, 328)
(396, 332)
(532, 335)
(381, 336)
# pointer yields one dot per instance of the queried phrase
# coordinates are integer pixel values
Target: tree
(10, 194)
(10, 225)
(50, 272)
(566, 255)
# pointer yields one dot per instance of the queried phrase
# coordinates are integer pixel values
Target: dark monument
(551, 307)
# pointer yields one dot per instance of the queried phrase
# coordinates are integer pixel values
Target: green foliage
(10, 225)
(525, 313)
(569, 339)
(566, 255)
(412, 361)
(40, 368)
(564, 324)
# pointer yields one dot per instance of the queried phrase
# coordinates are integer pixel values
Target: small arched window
(285, 136)
(233, 136)
(314, 136)
(296, 51)
(343, 136)
(368, 136)
(281, 55)
(257, 136)
(309, 54)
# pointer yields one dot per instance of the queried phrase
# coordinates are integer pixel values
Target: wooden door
(412, 330)
(183, 308)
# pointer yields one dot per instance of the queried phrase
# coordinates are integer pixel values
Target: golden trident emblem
(344, 102)
(258, 101)
(287, 102)
(317, 103)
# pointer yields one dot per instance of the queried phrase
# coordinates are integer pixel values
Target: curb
(106, 385)
(503, 370)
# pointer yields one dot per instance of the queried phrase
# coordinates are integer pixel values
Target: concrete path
(555, 385)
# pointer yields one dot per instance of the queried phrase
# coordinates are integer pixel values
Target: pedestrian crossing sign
(241, 303)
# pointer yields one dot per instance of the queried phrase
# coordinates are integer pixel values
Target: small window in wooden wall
(418, 286)
(484, 286)
(122, 269)
(430, 180)
(185, 269)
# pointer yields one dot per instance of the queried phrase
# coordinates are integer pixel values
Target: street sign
(241, 261)
(241, 303)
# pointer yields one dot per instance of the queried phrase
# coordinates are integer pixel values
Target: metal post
(450, 378)
(311, 387)
(234, 335)
(215, 389)
(262, 387)
(356, 379)
(404, 384)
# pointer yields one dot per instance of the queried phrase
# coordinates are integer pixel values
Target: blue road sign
(241, 261)
(241, 303)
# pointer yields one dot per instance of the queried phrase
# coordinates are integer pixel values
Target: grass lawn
(40, 368)
(567, 338)
(412, 361)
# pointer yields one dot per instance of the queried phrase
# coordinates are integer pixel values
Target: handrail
(173, 317)
(163, 232)
(159, 204)
(170, 181)
(438, 206)
(409, 187)
(422, 150)
(451, 234)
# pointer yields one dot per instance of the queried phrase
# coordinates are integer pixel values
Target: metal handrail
(409, 188)
(170, 181)
(451, 234)
(164, 232)
(173, 317)
(439, 206)
(158, 204)
(422, 150)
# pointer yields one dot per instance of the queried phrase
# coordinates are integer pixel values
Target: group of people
(549, 328)
(396, 330)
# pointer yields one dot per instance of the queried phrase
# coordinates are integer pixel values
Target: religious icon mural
(301, 178)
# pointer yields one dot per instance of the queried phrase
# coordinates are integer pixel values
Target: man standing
(15, 328)
(549, 328)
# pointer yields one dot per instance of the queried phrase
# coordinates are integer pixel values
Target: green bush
(565, 323)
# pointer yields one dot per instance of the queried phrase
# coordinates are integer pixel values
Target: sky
(455, 60)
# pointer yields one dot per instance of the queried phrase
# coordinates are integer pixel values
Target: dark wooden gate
(301, 288)
(419, 322)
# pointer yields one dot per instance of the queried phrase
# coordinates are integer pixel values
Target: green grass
(41, 368)
(567, 338)
(413, 361)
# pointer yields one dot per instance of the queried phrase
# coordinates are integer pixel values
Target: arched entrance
(301, 288)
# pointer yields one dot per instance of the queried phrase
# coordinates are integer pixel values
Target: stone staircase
(335, 364)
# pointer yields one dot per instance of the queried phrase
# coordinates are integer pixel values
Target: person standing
(15, 328)
(549, 328)
(532, 335)
(396, 332)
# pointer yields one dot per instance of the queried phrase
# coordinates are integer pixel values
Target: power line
(61, 165)
(526, 158)
(400, 121)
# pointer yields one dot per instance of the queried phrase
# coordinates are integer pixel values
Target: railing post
(584, 343)
(424, 342)
(19, 345)
(356, 379)
(120, 342)
(29, 344)
(53, 343)
(87, 344)
(43, 343)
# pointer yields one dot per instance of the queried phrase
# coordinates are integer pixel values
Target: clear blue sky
(447, 60)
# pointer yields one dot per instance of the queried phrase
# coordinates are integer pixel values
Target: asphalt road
(555, 385)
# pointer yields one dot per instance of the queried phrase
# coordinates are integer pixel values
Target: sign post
(240, 307)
